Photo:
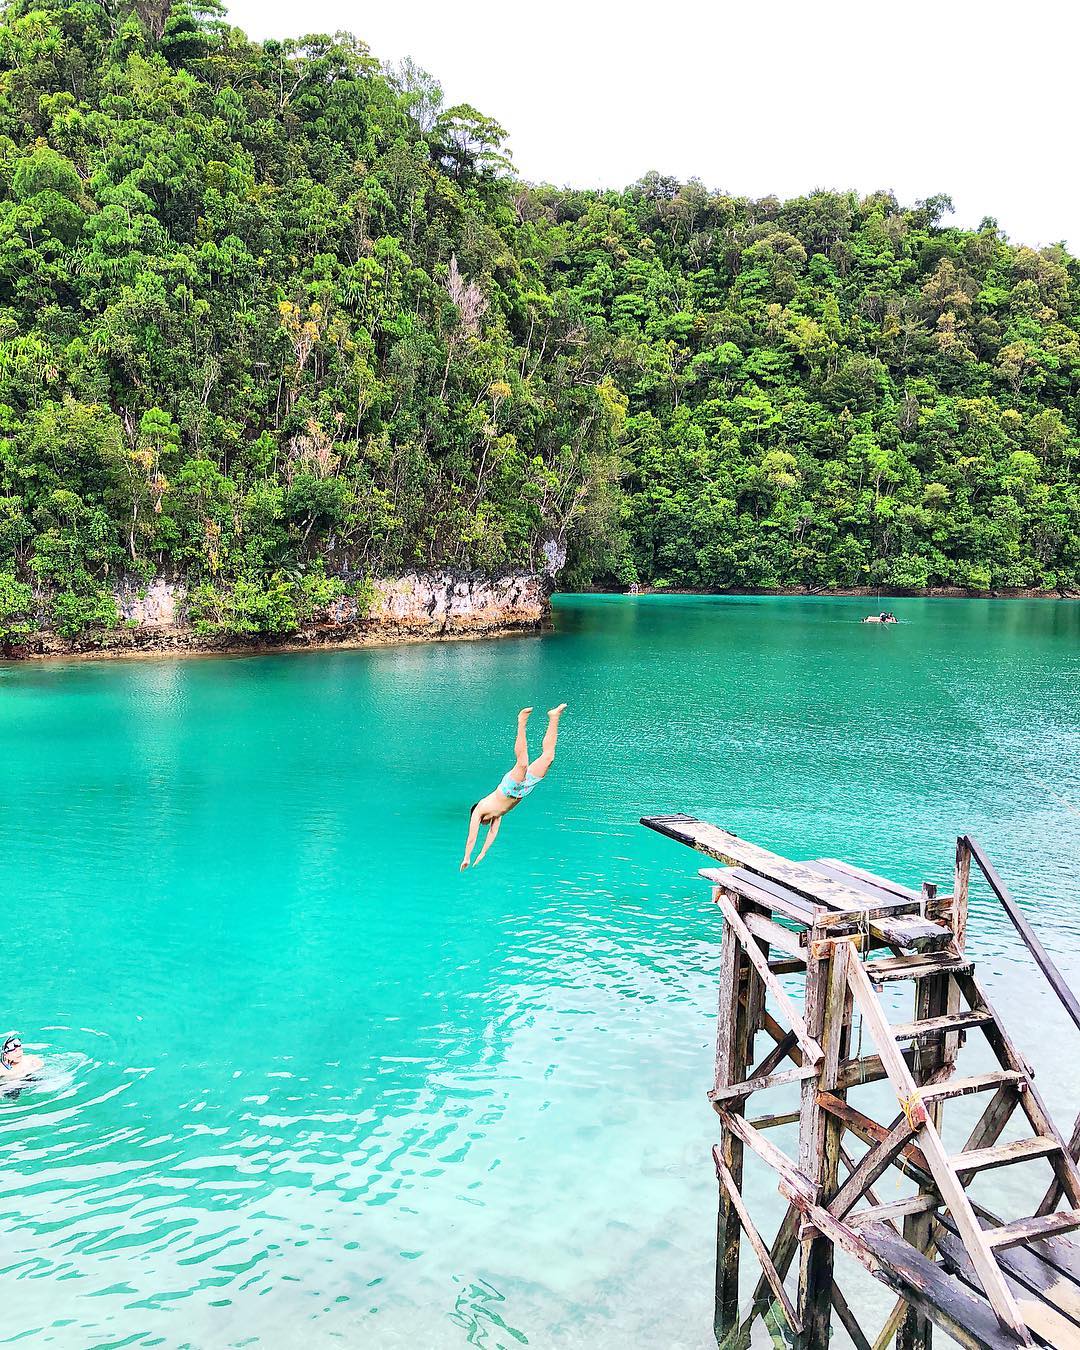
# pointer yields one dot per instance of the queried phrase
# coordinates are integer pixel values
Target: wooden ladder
(1012, 1086)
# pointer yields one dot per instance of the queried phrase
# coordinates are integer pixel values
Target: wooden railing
(966, 849)
(1030, 938)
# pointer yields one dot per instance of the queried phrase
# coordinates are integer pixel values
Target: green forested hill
(271, 316)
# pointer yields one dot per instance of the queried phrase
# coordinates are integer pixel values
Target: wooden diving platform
(806, 950)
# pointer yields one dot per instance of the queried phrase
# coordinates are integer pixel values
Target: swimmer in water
(13, 1063)
(515, 786)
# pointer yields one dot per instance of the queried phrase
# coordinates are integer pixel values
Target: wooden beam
(1054, 976)
(811, 1050)
(870, 1167)
(767, 1151)
(783, 1249)
(1043, 1317)
(819, 1149)
(848, 1319)
(868, 883)
(1004, 1155)
(909, 1273)
(744, 1089)
(1031, 1102)
(760, 1250)
(871, 1132)
(729, 1069)
(881, 1034)
(895, 1209)
(1022, 1231)
(772, 1122)
(948, 1185)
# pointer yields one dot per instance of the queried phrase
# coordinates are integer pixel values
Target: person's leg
(540, 766)
(521, 747)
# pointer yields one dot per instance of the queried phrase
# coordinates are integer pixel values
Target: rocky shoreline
(864, 592)
(416, 607)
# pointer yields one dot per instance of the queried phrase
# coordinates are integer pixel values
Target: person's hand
(463, 866)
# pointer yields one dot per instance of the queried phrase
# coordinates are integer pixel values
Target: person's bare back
(516, 785)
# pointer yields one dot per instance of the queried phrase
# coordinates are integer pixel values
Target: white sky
(923, 96)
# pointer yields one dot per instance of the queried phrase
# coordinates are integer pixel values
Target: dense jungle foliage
(274, 319)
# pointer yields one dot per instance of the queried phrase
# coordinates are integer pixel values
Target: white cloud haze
(955, 96)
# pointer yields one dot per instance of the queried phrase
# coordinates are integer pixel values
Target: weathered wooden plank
(1044, 1262)
(881, 1251)
(869, 1069)
(791, 966)
(1048, 1323)
(1003, 1155)
(780, 1051)
(762, 891)
(871, 1132)
(933, 1150)
(895, 1209)
(1031, 1102)
(890, 907)
(730, 1068)
(867, 883)
(988, 1128)
(811, 1050)
(1053, 1195)
(770, 1025)
(888, 968)
(775, 935)
(752, 889)
(929, 1028)
(892, 1061)
(820, 1145)
(784, 1247)
(1041, 1269)
(1022, 1231)
(871, 1166)
(744, 1089)
(767, 1151)
(931, 1002)
(776, 1284)
(966, 1087)
(771, 1122)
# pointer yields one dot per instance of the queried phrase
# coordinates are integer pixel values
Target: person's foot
(557, 712)
(523, 714)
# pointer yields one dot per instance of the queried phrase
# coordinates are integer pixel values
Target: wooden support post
(781, 1253)
(958, 918)
(776, 1284)
(737, 978)
(828, 1003)
(933, 997)
(809, 1046)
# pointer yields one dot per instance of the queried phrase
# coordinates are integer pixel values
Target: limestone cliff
(411, 607)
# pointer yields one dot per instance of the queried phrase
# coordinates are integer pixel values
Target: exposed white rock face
(157, 604)
(452, 602)
(436, 602)
(554, 557)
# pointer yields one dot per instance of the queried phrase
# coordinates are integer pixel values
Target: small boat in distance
(886, 616)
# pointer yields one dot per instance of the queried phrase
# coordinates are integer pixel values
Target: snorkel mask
(13, 1042)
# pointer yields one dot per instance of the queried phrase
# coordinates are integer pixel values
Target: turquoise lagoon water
(308, 1085)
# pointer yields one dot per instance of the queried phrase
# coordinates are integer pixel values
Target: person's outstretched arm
(493, 830)
(470, 843)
